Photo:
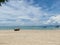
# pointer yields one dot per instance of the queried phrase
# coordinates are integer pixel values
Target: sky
(30, 13)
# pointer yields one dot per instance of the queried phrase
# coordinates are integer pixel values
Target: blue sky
(30, 13)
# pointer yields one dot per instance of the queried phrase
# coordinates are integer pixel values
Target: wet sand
(30, 37)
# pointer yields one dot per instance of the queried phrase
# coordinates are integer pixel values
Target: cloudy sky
(30, 13)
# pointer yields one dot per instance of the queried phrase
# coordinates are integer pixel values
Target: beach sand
(30, 37)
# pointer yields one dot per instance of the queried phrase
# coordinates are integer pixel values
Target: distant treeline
(56, 26)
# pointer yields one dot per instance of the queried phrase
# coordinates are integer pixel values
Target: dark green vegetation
(57, 26)
(3, 1)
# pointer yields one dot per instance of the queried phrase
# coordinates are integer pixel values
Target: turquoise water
(29, 27)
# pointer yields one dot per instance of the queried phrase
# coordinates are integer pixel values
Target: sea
(29, 27)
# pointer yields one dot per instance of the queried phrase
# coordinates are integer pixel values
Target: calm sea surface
(29, 27)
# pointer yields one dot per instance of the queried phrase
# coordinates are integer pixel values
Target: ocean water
(29, 27)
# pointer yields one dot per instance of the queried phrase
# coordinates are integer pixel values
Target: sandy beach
(30, 37)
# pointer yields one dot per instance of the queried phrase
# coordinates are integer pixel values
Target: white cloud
(19, 12)
(54, 20)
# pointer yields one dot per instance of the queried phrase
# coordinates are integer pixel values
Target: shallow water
(29, 27)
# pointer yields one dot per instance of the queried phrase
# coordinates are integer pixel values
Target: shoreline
(35, 29)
